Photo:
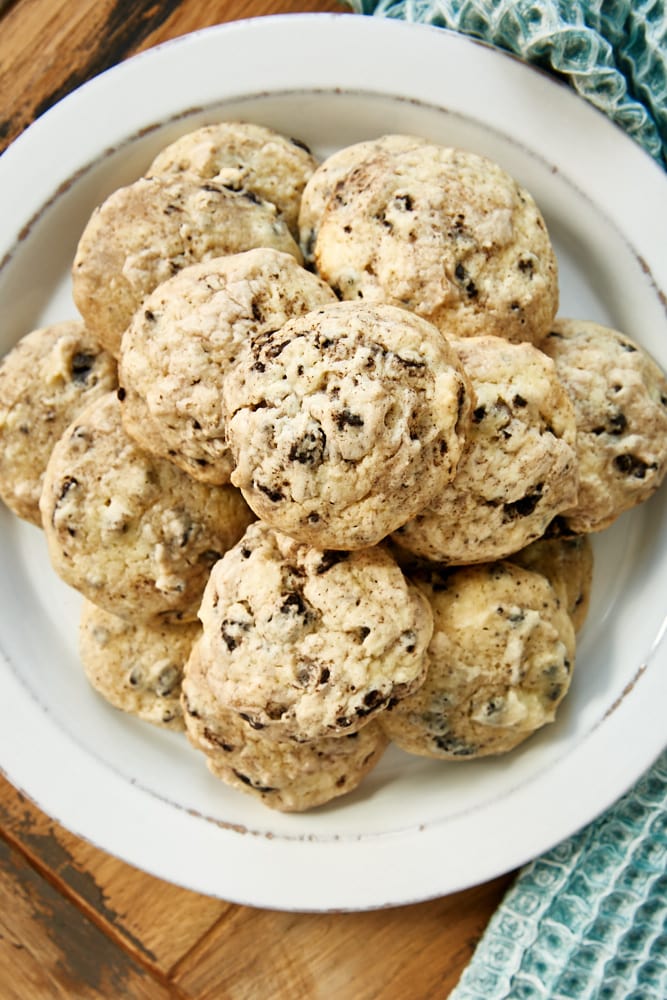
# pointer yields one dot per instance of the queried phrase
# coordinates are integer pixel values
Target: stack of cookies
(322, 458)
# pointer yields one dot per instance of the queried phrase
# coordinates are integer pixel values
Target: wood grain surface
(78, 923)
(50, 47)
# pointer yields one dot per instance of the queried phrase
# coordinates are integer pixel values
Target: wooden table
(76, 922)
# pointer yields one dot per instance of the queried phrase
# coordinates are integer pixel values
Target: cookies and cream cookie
(131, 532)
(180, 344)
(500, 663)
(346, 422)
(45, 380)
(146, 232)
(620, 400)
(447, 234)
(567, 564)
(520, 467)
(283, 774)
(331, 171)
(244, 157)
(310, 643)
(136, 668)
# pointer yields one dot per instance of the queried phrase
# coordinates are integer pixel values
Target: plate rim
(373, 854)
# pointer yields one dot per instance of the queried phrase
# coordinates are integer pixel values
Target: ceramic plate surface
(415, 828)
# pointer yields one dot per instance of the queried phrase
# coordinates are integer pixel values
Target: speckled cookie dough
(148, 231)
(310, 643)
(520, 468)
(567, 564)
(331, 171)
(346, 422)
(444, 233)
(284, 775)
(180, 344)
(136, 668)
(500, 663)
(620, 400)
(131, 532)
(244, 157)
(45, 380)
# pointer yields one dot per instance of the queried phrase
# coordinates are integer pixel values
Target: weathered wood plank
(48, 948)
(154, 920)
(192, 15)
(50, 47)
(416, 952)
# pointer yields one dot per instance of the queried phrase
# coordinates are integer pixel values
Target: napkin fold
(613, 52)
(588, 919)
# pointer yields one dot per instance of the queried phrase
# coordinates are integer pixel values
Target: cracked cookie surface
(500, 662)
(323, 183)
(146, 232)
(346, 422)
(519, 469)
(310, 643)
(567, 564)
(281, 773)
(447, 234)
(136, 668)
(45, 380)
(244, 157)
(181, 343)
(619, 396)
(131, 532)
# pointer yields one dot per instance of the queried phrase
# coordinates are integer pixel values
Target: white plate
(415, 829)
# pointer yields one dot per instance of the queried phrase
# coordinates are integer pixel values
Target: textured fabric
(589, 918)
(614, 52)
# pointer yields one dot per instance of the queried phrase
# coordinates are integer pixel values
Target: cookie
(45, 380)
(148, 231)
(284, 775)
(447, 234)
(346, 422)
(520, 467)
(500, 663)
(244, 157)
(620, 400)
(179, 345)
(325, 179)
(310, 643)
(131, 532)
(136, 668)
(567, 564)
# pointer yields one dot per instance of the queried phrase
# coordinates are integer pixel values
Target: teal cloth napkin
(613, 52)
(588, 919)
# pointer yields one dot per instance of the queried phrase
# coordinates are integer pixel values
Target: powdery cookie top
(520, 468)
(346, 422)
(244, 157)
(324, 181)
(45, 380)
(131, 532)
(180, 344)
(283, 774)
(144, 233)
(567, 564)
(620, 400)
(500, 663)
(136, 668)
(445, 233)
(310, 643)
